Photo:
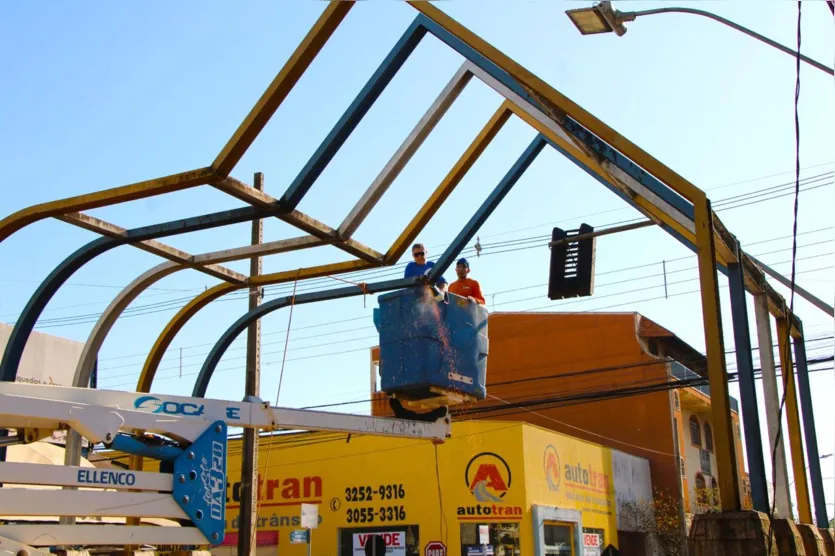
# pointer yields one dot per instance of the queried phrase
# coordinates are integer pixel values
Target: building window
(675, 400)
(681, 465)
(695, 432)
(701, 489)
(708, 437)
(559, 539)
(502, 538)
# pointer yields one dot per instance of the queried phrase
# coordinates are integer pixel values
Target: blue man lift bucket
(431, 348)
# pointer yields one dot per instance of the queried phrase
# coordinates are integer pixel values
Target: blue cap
(464, 262)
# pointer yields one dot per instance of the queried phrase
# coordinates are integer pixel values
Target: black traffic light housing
(572, 264)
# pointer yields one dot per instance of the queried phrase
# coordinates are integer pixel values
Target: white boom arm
(195, 491)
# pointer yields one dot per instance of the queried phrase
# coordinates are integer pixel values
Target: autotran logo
(551, 466)
(488, 477)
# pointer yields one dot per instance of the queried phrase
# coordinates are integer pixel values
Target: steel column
(220, 347)
(747, 389)
(801, 486)
(804, 389)
(772, 407)
(252, 390)
(720, 407)
(487, 207)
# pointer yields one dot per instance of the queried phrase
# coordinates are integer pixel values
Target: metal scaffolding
(666, 198)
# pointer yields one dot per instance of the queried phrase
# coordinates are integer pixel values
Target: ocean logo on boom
(488, 477)
(187, 409)
(168, 407)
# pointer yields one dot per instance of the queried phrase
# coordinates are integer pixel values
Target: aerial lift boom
(189, 439)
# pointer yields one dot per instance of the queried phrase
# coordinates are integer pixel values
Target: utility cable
(790, 315)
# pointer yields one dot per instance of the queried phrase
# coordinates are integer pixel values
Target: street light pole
(604, 18)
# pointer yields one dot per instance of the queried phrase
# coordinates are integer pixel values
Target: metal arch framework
(654, 189)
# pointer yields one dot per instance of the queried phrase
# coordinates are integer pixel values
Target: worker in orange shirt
(466, 287)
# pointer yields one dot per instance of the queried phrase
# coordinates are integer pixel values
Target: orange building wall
(535, 356)
(585, 347)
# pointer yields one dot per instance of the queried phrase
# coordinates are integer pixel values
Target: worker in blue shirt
(420, 266)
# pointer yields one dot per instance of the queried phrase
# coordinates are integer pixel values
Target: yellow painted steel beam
(298, 219)
(560, 105)
(260, 250)
(244, 192)
(801, 485)
(326, 233)
(171, 329)
(720, 406)
(140, 190)
(452, 179)
(312, 272)
(593, 164)
(543, 91)
(281, 86)
(99, 226)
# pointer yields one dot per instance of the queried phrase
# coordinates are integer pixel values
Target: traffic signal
(571, 272)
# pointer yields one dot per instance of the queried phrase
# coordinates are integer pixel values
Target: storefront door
(556, 531)
(559, 538)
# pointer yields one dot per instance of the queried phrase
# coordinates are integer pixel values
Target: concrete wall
(633, 484)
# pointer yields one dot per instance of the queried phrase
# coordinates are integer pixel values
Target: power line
(520, 289)
(176, 303)
(646, 288)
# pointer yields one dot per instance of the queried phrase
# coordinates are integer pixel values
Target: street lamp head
(600, 18)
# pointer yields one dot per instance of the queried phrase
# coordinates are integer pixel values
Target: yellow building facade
(494, 488)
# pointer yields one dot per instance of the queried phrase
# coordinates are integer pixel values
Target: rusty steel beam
(99, 226)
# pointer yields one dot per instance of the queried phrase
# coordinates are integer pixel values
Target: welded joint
(246, 193)
(104, 228)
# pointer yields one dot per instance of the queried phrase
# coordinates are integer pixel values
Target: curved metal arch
(149, 369)
(36, 304)
(47, 289)
(121, 194)
(220, 347)
(108, 318)
(130, 292)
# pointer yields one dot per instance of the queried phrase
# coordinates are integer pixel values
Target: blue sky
(103, 94)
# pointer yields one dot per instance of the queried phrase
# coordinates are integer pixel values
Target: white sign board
(483, 534)
(310, 516)
(47, 359)
(300, 536)
(395, 542)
